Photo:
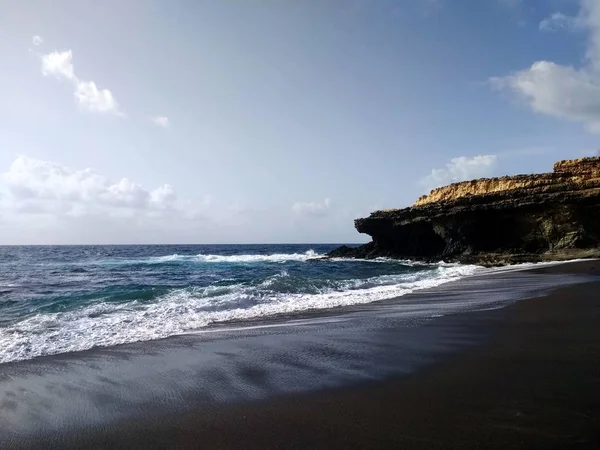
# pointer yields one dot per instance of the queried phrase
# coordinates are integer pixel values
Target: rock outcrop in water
(493, 221)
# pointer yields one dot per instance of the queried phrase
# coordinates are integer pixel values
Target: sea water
(59, 299)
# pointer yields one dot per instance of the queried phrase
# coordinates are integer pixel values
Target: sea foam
(190, 309)
(213, 258)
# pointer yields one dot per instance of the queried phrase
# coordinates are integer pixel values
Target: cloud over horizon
(44, 187)
(51, 203)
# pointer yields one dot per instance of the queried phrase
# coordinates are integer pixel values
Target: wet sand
(524, 376)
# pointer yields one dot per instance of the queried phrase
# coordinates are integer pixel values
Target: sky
(263, 121)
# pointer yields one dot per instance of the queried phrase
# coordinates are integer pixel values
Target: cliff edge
(493, 221)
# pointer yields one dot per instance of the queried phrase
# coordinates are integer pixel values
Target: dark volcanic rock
(494, 221)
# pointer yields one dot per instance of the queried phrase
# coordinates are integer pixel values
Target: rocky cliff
(494, 221)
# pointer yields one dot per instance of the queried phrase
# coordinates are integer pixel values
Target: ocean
(60, 299)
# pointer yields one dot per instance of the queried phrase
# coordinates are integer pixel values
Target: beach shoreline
(521, 376)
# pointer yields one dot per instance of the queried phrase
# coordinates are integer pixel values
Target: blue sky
(277, 121)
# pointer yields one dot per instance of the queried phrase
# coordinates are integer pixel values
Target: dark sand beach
(526, 375)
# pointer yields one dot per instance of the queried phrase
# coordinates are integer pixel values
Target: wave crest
(244, 258)
(189, 309)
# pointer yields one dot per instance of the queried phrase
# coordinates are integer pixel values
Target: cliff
(494, 221)
(572, 171)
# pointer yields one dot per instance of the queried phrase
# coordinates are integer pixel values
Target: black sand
(527, 376)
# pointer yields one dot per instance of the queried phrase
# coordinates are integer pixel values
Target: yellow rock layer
(568, 172)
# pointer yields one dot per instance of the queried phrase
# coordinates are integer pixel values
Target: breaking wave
(277, 257)
(215, 258)
(173, 311)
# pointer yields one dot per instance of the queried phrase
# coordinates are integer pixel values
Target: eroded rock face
(499, 220)
(565, 174)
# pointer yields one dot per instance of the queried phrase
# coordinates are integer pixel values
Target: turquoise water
(57, 299)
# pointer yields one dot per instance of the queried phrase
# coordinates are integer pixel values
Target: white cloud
(559, 21)
(314, 209)
(46, 187)
(161, 121)
(87, 94)
(563, 91)
(461, 169)
(37, 40)
(163, 196)
(59, 64)
(94, 99)
(44, 202)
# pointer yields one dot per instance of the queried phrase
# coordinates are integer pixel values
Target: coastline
(493, 221)
(521, 375)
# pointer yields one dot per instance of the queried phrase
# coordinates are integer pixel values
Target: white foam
(186, 310)
(248, 258)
